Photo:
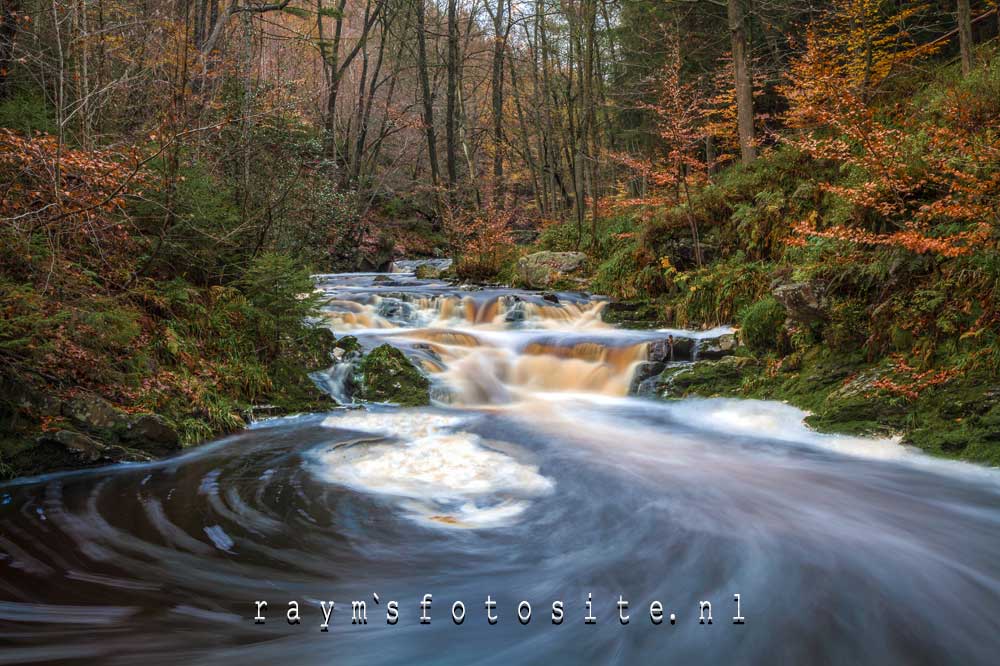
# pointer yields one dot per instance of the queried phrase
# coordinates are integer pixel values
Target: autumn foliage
(928, 185)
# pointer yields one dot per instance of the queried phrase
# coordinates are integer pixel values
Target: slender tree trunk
(744, 82)
(497, 99)
(425, 87)
(453, 65)
(965, 35)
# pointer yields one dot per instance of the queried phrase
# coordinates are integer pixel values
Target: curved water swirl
(522, 487)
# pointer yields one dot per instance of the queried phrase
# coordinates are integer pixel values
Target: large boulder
(805, 302)
(153, 433)
(68, 449)
(541, 270)
(95, 413)
(388, 376)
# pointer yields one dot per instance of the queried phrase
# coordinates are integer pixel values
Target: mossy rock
(639, 314)
(388, 376)
(706, 378)
(349, 344)
(427, 272)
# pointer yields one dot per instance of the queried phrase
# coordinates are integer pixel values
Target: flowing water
(535, 477)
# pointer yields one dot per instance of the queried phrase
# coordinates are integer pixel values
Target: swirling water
(535, 477)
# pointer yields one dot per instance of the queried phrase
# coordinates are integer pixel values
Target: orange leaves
(913, 382)
(935, 180)
(948, 246)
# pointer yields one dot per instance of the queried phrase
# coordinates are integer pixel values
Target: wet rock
(69, 448)
(153, 433)
(543, 269)
(713, 349)
(670, 349)
(805, 302)
(550, 297)
(515, 313)
(388, 376)
(644, 372)
(83, 448)
(395, 310)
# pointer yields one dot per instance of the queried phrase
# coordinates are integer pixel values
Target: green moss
(388, 376)
(349, 344)
(761, 324)
(706, 379)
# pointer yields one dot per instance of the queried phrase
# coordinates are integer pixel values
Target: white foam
(438, 477)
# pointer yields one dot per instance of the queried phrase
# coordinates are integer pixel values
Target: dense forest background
(823, 173)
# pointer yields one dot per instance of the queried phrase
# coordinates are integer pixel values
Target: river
(536, 478)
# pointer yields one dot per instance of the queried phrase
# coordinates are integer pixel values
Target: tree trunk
(453, 66)
(744, 83)
(425, 87)
(8, 31)
(965, 35)
(497, 88)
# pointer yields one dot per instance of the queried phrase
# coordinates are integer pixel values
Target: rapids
(535, 477)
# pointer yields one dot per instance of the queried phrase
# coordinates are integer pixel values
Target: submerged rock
(388, 376)
(541, 270)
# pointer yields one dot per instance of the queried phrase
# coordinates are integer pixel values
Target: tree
(743, 79)
(965, 35)
(425, 90)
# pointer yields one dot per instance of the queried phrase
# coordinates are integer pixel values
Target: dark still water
(536, 478)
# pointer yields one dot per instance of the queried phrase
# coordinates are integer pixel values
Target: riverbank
(957, 419)
(947, 415)
(92, 377)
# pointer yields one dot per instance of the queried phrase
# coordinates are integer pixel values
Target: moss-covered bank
(958, 418)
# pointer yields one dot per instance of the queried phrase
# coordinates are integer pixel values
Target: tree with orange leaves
(938, 203)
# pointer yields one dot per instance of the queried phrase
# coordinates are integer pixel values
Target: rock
(348, 344)
(670, 349)
(704, 378)
(151, 432)
(712, 349)
(95, 413)
(427, 272)
(543, 269)
(644, 372)
(85, 449)
(515, 313)
(805, 301)
(395, 310)
(633, 314)
(550, 297)
(388, 376)
(69, 448)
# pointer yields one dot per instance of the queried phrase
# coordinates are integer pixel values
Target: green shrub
(761, 324)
